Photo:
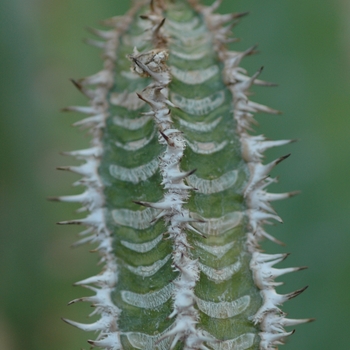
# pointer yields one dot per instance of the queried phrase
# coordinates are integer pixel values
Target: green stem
(176, 188)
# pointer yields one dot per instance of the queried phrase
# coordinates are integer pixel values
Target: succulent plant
(176, 188)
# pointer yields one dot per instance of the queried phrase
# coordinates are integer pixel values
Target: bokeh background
(305, 47)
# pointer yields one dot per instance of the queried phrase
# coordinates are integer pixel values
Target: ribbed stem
(176, 187)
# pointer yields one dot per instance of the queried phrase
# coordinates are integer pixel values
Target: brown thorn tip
(286, 256)
(53, 199)
(165, 137)
(241, 14)
(62, 168)
(252, 50)
(279, 160)
(76, 84)
(140, 96)
(145, 204)
(68, 223)
(137, 62)
(65, 320)
(161, 23)
(303, 268)
(297, 292)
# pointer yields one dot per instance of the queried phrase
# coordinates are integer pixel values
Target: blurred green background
(305, 47)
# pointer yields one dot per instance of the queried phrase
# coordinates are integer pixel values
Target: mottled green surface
(304, 47)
